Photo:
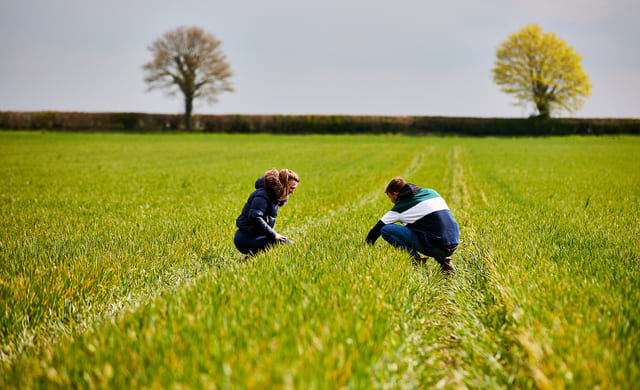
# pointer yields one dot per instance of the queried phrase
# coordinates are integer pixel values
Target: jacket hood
(408, 191)
(260, 185)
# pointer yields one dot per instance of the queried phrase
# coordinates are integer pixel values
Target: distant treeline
(313, 124)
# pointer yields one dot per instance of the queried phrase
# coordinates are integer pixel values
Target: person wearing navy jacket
(258, 217)
(428, 227)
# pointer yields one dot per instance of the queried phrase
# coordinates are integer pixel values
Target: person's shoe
(445, 265)
(420, 260)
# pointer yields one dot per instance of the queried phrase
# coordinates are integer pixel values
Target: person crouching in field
(255, 223)
(428, 225)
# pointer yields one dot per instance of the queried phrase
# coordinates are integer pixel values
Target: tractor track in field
(361, 201)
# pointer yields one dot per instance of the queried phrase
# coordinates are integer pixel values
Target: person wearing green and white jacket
(428, 227)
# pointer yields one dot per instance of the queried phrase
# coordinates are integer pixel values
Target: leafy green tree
(188, 60)
(540, 68)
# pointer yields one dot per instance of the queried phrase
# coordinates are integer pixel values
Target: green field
(118, 270)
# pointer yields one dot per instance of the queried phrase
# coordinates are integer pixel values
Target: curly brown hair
(277, 182)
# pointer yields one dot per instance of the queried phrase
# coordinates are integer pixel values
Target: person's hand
(280, 237)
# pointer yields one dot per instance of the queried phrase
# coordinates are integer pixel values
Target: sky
(343, 57)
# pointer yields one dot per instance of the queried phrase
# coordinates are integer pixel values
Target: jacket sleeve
(256, 216)
(374, 233)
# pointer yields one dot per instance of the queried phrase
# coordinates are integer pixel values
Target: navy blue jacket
(259, 213)
(425, 213)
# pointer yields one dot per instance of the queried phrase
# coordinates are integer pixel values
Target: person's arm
(256, 213)
(374, 233)
(389, 217)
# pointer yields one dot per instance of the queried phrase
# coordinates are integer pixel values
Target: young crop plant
(118, 268)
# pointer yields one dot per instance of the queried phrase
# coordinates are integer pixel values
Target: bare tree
(188, 60)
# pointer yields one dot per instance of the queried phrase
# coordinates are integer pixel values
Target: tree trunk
(188, 108)
(543, 110)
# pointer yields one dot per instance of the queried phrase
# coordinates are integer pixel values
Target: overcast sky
(358, 57)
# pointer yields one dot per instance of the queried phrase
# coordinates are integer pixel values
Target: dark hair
(395, 185)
